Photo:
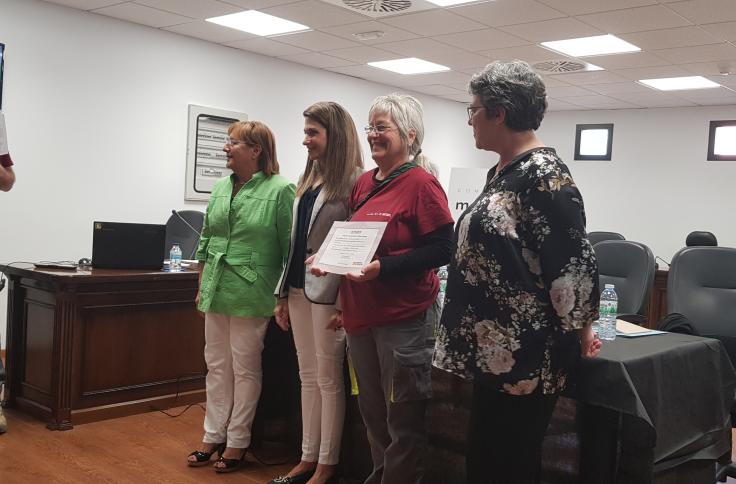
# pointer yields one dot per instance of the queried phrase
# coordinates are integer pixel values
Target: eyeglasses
(472, 110)
(235, 142)
(378, 128)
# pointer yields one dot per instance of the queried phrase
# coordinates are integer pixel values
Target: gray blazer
(319, 290)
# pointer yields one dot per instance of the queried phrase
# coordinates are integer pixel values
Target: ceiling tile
(390, 33)
(719, 95)
(363, 54)
(567, 91)
(723, 30)
(556, 29)
(209, 31)
(200, 9)
(529, 53)
(368, 73)
(580, 7)
(457, 80)
(596, 101)
(141, 14)
(616, 89)
(557, 105)
(553, 81)
(433, 22)
(713, 68)
(441, 90)
(85, 4)
(478, 40)
(669, 38)
(460, 98)
(699, 53)
(653, 100)
(259, 4)
(635, 19)
(315, 14)
(590, 78)
(267, 47)
(317, 41)
(508, 12)
(728, 81)
(706, 11)
(434, 51)
(315, 59)
(652, 72)
(628, 61)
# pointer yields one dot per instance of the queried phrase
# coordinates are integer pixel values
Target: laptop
(118, 245)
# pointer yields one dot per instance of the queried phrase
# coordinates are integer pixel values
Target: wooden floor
(145, 448)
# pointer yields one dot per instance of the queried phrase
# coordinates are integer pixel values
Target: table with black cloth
(652, 403)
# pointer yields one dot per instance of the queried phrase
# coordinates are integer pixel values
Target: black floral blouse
(522, 280)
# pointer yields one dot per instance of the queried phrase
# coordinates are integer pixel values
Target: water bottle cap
(610, 286)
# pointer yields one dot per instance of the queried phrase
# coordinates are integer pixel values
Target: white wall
(659, 186)
(97, 115)
(96, 111)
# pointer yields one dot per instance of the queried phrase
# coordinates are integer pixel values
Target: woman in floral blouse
(523, 283)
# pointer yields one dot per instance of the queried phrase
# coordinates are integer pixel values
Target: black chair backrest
(595, 237)
(177, 232)
(630, 267)
(702, 286)
(701, 238)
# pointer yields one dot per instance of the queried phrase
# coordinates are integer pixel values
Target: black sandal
(203, 458)
(230, 465)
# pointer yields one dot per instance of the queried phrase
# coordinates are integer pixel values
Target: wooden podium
(101, 343)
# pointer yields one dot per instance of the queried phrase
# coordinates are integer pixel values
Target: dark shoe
(230, 465)
(297, 479)
(203, 458)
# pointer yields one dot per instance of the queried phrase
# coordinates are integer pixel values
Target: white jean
(321, 353)
(233, 347)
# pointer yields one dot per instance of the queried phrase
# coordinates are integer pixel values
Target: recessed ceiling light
(596, 45)
(258, 23)
(680, 83)
(410, 65)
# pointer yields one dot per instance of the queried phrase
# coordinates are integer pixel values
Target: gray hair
(408, 114)
(515, 87)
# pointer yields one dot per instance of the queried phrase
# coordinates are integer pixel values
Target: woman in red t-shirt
(389, 309)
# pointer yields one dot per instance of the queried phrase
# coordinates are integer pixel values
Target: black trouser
(505, 436)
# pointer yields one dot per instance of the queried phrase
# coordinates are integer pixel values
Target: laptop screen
(117, 245)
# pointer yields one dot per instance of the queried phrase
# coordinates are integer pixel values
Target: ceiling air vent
(560, 66)
(379, 6)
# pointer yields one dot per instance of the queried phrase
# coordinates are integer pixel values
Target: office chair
(595, 237)
(630, 267)
(177, 232)
(701, 238)
(702, 286)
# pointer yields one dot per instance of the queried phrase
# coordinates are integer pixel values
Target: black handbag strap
(396, 173)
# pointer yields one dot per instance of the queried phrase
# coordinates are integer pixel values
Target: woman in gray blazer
(334, 161)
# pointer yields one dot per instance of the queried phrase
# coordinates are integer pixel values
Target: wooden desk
(90, 345)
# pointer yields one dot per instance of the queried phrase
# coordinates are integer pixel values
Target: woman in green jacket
(244, 243)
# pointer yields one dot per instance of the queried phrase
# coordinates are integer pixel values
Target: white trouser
(233, 347)
(321, 353)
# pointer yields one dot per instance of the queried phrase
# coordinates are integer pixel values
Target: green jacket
(244, 245)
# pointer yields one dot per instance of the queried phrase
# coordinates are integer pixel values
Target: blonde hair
(257, 133)
(343, 157)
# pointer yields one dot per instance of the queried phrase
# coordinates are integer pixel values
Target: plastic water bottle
(175, 258)
(608, 309)
(442, 274)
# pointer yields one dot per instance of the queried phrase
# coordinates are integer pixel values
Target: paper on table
(349, 246)
(630, 330)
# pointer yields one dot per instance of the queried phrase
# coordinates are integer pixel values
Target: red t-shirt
(5, 160)
(414, 204)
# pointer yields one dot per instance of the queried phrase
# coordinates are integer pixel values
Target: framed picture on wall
(2, 64)
(206, 136)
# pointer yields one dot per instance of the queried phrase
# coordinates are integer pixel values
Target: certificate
(349, 246)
